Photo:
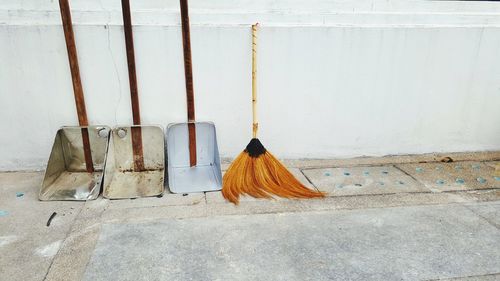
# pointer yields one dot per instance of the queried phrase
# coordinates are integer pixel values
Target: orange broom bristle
(257, 173)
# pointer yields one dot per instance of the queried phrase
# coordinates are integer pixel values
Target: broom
(256, 172)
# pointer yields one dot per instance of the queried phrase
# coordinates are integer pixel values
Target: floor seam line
(467, 276)
(497, 226)
(309, 180)
(64, 240)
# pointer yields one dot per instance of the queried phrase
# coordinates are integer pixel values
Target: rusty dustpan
(193, 155)
(135, 164)
(76, 163)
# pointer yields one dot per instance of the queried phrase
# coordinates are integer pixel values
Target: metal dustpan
(135, 164)
(206, 174)
(66, 177)
(193, 156)
(122, 178)
(76, 163)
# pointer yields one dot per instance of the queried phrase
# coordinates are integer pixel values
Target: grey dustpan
(193, 156)
(136, 157)
(77, 160)
(206, 175)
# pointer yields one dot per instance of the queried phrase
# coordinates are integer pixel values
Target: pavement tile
(496, 166)
(362, 180)
(81, 239)
(492, 163)
(468, 175)
(403, 243)
(27, 244)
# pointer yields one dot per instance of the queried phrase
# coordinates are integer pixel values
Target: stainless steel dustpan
(206, 175)
(136, 160)
(66, 177)
(76, 163)
(121, 180)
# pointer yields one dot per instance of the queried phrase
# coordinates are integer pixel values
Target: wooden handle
(77, 82)
(188, 73)
(137, 150)
(255, 126)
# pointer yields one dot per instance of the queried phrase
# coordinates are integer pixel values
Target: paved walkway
(381, 221)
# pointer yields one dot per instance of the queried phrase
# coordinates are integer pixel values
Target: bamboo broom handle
(77, 82)
(254, 81)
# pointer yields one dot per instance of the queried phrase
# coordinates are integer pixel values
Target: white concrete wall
(336, 78)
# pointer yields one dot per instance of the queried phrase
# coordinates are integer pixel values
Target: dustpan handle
(77, 82)
(136, 133)
(188, 66)
(188, 73)
(132, 77)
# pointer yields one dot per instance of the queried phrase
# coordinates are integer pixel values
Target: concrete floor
(382, 220)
